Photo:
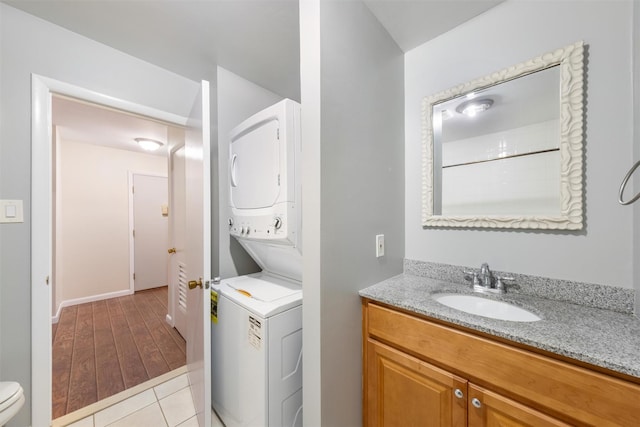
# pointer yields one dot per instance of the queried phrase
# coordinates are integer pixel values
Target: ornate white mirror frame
(570, 60)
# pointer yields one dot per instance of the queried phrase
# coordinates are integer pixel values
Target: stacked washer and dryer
(256, 329)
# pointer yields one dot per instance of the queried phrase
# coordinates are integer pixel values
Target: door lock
(195, 283)
(172, 250)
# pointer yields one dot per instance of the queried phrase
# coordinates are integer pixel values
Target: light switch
(11, 211)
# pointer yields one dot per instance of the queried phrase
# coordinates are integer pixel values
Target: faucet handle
(500, 284)
(473, 277)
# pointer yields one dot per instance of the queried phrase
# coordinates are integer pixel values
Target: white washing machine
(256, 321)
(257, 347)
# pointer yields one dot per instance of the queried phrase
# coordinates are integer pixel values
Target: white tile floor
(167, 404)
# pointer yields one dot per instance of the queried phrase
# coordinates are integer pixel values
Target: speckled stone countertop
(596, 336)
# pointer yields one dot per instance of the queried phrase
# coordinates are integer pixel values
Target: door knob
(195, 283)
(172, 250)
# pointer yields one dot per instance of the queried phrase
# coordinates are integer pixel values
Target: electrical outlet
(379, 245)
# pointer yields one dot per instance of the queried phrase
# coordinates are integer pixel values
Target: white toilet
(11, 400)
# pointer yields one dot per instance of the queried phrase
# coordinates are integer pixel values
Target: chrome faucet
(485, 280)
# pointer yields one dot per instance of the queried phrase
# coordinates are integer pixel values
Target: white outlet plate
(379, 245)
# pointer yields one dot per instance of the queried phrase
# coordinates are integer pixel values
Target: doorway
(43, 239)
(198, 251)
(110, 255)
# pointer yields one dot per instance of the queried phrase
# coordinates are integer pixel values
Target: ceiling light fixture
(472, 107)
(149, 144)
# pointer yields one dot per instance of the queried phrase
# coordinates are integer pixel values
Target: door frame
(42, 90)
(132, 258)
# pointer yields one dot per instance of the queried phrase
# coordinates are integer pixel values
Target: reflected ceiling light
(149, 144)
(472, 107)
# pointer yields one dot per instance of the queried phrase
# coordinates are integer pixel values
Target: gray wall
(361, 194)
(238, 99)
(636, 149)
(510, 33)
(30, 45)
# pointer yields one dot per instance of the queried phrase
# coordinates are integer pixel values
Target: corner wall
(359, 174)
(31, 45)
(513, 32)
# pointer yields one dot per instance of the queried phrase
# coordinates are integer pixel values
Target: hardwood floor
(104, 347)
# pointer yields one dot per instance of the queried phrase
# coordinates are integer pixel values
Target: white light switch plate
(11, 211)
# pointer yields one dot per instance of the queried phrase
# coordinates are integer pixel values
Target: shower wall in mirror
(505, 151)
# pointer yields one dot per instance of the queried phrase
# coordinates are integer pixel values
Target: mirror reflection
(496, 150)
(506, 150)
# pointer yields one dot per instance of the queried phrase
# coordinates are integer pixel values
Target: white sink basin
(486, 307)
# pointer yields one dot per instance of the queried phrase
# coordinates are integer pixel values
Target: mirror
(505, 150)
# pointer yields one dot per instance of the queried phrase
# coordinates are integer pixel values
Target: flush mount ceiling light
(474, 106)
(149, 144)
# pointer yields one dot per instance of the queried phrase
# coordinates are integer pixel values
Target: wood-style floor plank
(167, 346)
(61, 367)
(104, 347)
(82, 379)
(161, 313)
(109, 379)
(133, 371)
(152, 358)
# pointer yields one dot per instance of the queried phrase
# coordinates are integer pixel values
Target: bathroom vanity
(427, 364)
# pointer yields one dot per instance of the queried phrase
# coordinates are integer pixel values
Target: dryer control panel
(273, 226)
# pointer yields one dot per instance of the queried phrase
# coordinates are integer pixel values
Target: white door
(150, 231)
(198, 254)
(177, 232)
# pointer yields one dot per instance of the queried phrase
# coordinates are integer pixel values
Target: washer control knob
(230, 222)
(242, 230)
(277, 223)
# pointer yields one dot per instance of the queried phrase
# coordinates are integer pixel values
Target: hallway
(104, 347)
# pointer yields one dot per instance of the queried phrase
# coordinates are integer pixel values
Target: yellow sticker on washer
(214, 306)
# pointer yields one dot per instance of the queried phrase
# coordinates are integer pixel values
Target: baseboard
(169, 320)
(92, 298)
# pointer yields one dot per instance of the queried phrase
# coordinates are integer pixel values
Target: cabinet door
(489, 409)
(404, 391)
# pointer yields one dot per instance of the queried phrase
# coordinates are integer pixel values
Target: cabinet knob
(475, 402)
(458, 393)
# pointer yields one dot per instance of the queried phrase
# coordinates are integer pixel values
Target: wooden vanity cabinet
(405, 391)
(423, 373)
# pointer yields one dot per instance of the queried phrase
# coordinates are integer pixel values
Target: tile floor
(167, 404)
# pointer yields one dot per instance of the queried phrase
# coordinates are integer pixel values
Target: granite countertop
(600, 337)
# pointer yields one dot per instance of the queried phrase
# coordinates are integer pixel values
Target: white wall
(92, 201)
(513, 32)
(353, 108)
(238, 99)
(30, 45)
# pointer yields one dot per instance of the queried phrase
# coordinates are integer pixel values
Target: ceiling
(78, 121)
(256, 39)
